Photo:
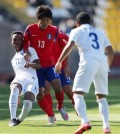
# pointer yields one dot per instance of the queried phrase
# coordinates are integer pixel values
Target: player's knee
(100, 96)
(39, 97)
(13, 86)
(57, 88)
(68, 90)
(29, 96)
(41, 94)
(14, 89)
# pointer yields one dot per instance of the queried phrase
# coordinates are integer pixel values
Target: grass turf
(36, 121)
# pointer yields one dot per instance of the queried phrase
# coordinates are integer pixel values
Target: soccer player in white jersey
(96, 56)
(25, 81)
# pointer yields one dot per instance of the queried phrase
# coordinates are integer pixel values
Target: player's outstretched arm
(66, 51)
(35, 64)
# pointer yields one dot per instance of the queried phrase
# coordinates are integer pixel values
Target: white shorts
(91, 71)
(28, 84)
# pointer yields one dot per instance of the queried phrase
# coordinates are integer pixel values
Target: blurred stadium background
(17, 14)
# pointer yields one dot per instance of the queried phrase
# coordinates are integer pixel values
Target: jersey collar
(21, 52)
(85, 25)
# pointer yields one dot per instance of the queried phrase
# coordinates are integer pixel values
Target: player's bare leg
(68, 91)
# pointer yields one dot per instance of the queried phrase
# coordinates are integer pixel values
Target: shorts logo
(49, 36)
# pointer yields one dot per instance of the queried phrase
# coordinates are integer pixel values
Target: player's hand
(58, 67)
(27, 65)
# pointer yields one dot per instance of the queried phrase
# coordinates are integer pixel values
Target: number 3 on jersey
(41, 44)
(94, 37)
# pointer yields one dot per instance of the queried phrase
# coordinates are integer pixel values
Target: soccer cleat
(13, 122)
(83, 128)
(63, 113)
(107, 130)
(18, 121)
(51, 120)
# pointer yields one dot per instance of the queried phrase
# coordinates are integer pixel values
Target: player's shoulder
(100, 31)
(76, 30)
(32, 26)
(52, 27)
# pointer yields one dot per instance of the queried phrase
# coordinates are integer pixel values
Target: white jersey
(91, 42)
(18, 63)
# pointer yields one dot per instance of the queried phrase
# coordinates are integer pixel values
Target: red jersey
(42, 40)
(59, 45)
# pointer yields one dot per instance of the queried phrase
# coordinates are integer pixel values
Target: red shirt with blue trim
(58, 47)
(43, 41)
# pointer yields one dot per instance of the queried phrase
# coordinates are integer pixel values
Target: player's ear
(11, 42)
(77, 23)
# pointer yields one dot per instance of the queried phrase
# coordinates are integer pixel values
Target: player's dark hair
(83, 18)
(43, 11)
(17, 32)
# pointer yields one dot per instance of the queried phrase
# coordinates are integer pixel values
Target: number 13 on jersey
(41, 44)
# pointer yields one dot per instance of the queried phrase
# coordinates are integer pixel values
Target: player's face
(43, 23)
(17, 42)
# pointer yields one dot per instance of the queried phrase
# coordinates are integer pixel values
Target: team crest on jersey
(49, 36)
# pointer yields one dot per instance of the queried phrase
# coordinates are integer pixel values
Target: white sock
(27, 106)
(104, 111)
(80, 107)
(13, 102)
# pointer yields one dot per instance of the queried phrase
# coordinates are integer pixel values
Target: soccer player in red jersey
(65, 72)
(42, 37)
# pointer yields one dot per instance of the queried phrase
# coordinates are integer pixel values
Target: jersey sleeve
(73, 36)
(63, 39)
(34, 55)
(106, 41)
(26, 39)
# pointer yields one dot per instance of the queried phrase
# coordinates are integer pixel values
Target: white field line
(74, 117)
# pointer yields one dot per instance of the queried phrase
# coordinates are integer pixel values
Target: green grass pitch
(36, 121)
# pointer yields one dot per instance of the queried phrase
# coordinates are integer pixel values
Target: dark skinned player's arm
(35, 64)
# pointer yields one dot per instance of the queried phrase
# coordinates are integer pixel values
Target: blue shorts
(46, 74)
(64, 80)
